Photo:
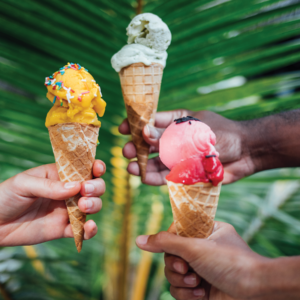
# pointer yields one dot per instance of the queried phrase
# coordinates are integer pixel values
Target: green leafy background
(237, 58)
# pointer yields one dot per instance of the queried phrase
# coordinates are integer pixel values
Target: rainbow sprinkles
(57, 85)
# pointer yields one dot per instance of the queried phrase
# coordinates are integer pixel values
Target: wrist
(277, 278)
(258, 146)
(270, 142)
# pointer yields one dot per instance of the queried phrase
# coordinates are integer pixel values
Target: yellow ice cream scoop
(76, 97)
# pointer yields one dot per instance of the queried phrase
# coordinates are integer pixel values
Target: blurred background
(237, 58)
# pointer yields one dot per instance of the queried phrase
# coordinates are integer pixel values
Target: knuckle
(50, 185)
(103, 186)
(17, 180)
(229, 228)
(166, 272)
(160, 237)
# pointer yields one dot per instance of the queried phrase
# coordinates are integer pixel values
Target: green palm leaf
(237, 58)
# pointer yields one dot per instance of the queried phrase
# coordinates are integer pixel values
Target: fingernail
(199, 292)
(147, 131)
(88, 204)
(89, 188)
(178, 266)
(70, 185)
(153, 132)
(101, 168)
(190, 279)
(142, 239)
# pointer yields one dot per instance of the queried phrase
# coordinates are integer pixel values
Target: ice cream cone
(74, 147)
(140, 87)
(194, 207)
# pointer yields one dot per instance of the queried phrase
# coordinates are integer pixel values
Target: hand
(33, 210)
(231, 145)
(224, 260)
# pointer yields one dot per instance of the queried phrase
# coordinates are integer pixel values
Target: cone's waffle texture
(140, 87)
(194, 208)
(74, 146)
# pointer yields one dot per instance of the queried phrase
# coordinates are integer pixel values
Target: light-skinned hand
(33, 210)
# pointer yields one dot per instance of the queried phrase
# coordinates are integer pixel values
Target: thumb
(152, 135)
(30, 186)
(170, 243)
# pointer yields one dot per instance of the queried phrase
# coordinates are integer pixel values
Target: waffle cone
(140, 87)
(194, 208)
(74, 146)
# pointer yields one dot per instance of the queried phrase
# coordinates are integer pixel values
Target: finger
(129, 150)
(99, 168)
(176, 264)
(124, 127)
(152, 135)
(165, 118)
(30, 186)
(186, 248)
(153, 165)
(90, 229)
(152, 178)
(187, 293)
(93, 188)
(190, 280)
(90, 205)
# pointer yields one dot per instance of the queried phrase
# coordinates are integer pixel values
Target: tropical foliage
(237, 58)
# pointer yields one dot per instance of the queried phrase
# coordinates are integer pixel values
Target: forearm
(273, 141)
(279, 279)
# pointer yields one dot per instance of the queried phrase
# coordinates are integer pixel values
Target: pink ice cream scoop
(187, 149)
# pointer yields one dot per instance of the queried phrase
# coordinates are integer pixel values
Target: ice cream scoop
(148, 39)
(187, 149)
(149, 30)
(76, 96)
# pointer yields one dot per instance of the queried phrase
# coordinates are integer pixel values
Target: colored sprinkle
(54, 87)
(98, 143)
(72, 91)
(95, 95)
(79, 99)
(54, 99)
(61, 103)
(51, 79)
(84, 93)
